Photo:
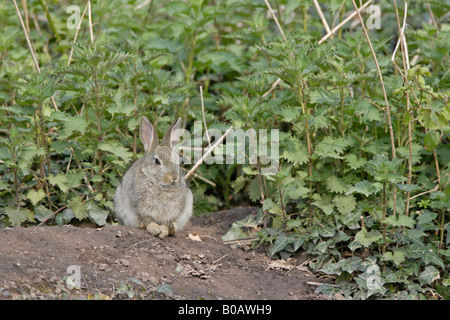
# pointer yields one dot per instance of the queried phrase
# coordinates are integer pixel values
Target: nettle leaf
(416, 152)
(324, 203)
(345, 204)
(18, 215)
(396, 257)
(295, 190)
(295, 152)
(254, 190)
(78, 207)
(74, 178)
(407, 187)
(429, 275)
(239, 183)
(355, 162)
(383, 169)
(60, 180)
(335, 184)
(71, 125)
(366, 238)
(117, 149)
(401, 221)
(332, 147)
(365, 187)
(35, 196)
(426, 217)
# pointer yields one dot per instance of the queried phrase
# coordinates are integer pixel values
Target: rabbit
(153, 194)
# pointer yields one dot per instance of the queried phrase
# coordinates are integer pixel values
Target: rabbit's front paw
(164, 231)
(173, 229)
(157, 230)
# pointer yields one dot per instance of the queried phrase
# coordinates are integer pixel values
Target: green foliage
(339, 191)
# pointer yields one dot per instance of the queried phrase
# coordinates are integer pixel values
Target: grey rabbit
(153, 194)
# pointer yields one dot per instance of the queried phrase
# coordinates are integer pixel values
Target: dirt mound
(117, 262)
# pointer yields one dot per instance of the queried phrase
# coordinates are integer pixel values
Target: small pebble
(124, 262)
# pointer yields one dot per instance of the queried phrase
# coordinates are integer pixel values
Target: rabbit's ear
(172, 135)
(148, 134)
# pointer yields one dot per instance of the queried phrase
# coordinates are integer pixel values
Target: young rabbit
(153, 194)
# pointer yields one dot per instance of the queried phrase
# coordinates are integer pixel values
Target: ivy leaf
(97, 215)
(35, 196)
(345, 204)
(350, 265)
(429, 256)
(331, 268)
(282, 241)
(41, 212)
(298, 241)
(351, 219)
(166, 289)
(429, 275)
(367, 238)
(328, 290)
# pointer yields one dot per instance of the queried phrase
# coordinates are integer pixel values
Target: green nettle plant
(363, 179)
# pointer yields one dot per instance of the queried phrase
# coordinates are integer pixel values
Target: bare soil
(118, 262)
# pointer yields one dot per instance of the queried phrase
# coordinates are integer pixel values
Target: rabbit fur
(153, 194)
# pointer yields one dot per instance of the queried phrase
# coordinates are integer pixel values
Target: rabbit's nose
(169, 179)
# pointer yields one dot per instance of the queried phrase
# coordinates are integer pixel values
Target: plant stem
(384, 217)
(405, 74)
(388, 110)
(50, 21)
(191, 56)
(262, 193)
(135, 91)
(305, 25)
(305, 110)
(341, 91)
(283, 210)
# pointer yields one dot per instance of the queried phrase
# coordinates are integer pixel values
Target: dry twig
(350, 17)
(207, 153)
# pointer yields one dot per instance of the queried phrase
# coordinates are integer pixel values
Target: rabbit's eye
(157, 162)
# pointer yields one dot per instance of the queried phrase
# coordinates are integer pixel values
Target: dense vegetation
(363, 182)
